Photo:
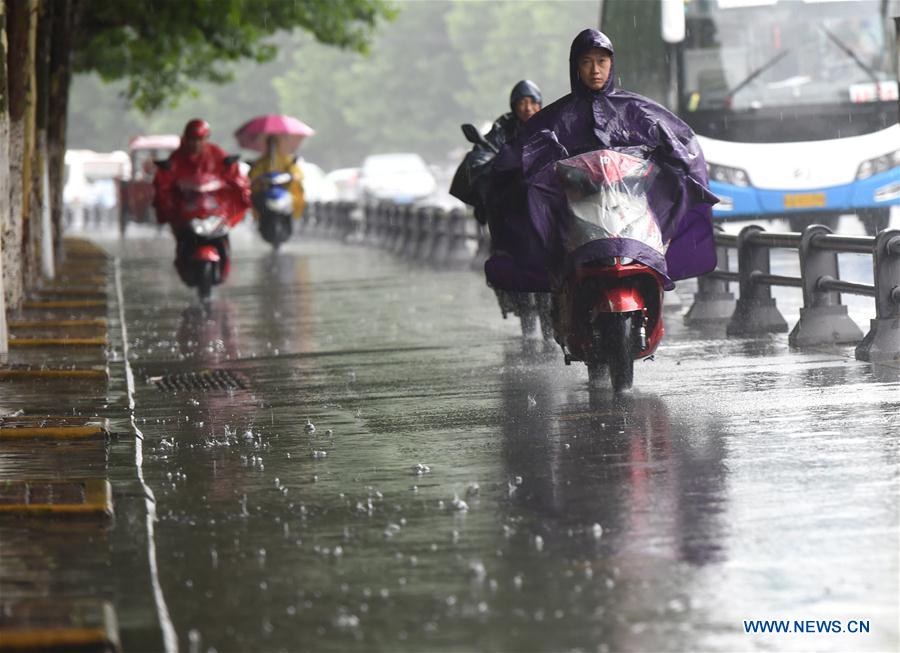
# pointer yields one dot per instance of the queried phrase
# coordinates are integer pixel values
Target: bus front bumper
(737, 202)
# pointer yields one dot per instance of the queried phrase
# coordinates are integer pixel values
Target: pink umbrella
(252, 134)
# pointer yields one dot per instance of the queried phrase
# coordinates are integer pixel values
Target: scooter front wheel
(205, 280)
(614, 336)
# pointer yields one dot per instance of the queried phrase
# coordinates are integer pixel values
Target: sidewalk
(56, 500)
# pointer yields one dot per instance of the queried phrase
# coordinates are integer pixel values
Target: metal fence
(452, 238)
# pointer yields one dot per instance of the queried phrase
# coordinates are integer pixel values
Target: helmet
(196, 128)
(525, 88)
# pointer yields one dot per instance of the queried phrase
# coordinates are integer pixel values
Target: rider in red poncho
(197, 158)
(194, 156)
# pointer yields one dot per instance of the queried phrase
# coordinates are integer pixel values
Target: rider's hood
(587, 39)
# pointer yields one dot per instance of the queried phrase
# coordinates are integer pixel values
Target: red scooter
(206, 216)
(608, 307)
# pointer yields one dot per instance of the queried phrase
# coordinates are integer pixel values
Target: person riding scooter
(196, 157)
(617, 197)
(470, 184)
(522, 292)
(276, 160)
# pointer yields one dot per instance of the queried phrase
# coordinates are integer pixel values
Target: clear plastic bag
(606, 192)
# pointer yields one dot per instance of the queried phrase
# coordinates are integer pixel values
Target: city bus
(795, 102)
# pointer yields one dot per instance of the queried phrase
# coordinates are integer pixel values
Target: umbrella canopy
(252, 134)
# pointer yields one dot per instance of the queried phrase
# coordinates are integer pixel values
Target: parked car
(346, 181)
(399, 177)
(136, 190)
(316, 186)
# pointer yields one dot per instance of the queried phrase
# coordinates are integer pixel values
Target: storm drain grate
(204, 380)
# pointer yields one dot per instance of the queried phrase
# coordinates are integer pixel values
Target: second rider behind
(511, 249)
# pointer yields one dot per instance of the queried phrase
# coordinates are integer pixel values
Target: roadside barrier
(452, 238)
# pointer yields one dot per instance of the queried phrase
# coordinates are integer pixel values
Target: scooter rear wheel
(615, 339)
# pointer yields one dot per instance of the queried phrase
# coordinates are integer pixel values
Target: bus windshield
(749, 55)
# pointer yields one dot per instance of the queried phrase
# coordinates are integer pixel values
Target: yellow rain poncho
(278, 162)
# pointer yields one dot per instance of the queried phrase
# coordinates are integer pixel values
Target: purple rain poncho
(586, 120)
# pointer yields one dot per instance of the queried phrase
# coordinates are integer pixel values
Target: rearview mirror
(472, 134)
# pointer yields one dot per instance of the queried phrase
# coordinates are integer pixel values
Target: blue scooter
(275, 206)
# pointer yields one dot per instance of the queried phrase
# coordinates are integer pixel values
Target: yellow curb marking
(66, 303)
(77, 373)
(57, 428)
(47, 324)
(23, 639)
(85, 293)
(58, 342)
(97, 499)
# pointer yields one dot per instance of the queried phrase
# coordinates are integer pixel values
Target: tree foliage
(162, 46)
(438, 64)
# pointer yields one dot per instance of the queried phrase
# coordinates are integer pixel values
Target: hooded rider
(197, 156)
(525, 100)
(597, 115)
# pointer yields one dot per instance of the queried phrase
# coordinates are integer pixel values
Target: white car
(316, 187)
(402, 178)
(346, 180)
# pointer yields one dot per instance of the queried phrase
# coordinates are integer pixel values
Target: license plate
(804, 200)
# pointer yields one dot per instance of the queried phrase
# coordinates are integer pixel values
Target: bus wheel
(875, 219)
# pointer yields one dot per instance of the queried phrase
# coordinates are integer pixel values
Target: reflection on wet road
(391, 471)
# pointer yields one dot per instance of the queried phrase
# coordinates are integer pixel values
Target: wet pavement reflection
(395, 471)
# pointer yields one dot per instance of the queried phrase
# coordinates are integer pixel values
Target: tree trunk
(21, 24)
(65, 24)
(42, 234)
(4, 174)
(30, 203)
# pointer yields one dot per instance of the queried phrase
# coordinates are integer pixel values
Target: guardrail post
(367, 224)
(418, 232)
(405, 217)
(823, 319)
(429, 225)
(713, 301)
(755, 311)
(458, 254)
(309, 217)
(882, 342)
(440, 226)
(379, 213)
(411, 247)
(391, 223)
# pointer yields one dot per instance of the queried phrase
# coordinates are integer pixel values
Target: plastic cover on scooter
(606, 192)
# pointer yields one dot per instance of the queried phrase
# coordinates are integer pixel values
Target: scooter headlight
(207, 227)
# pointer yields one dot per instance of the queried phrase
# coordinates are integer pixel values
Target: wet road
(463, 492)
